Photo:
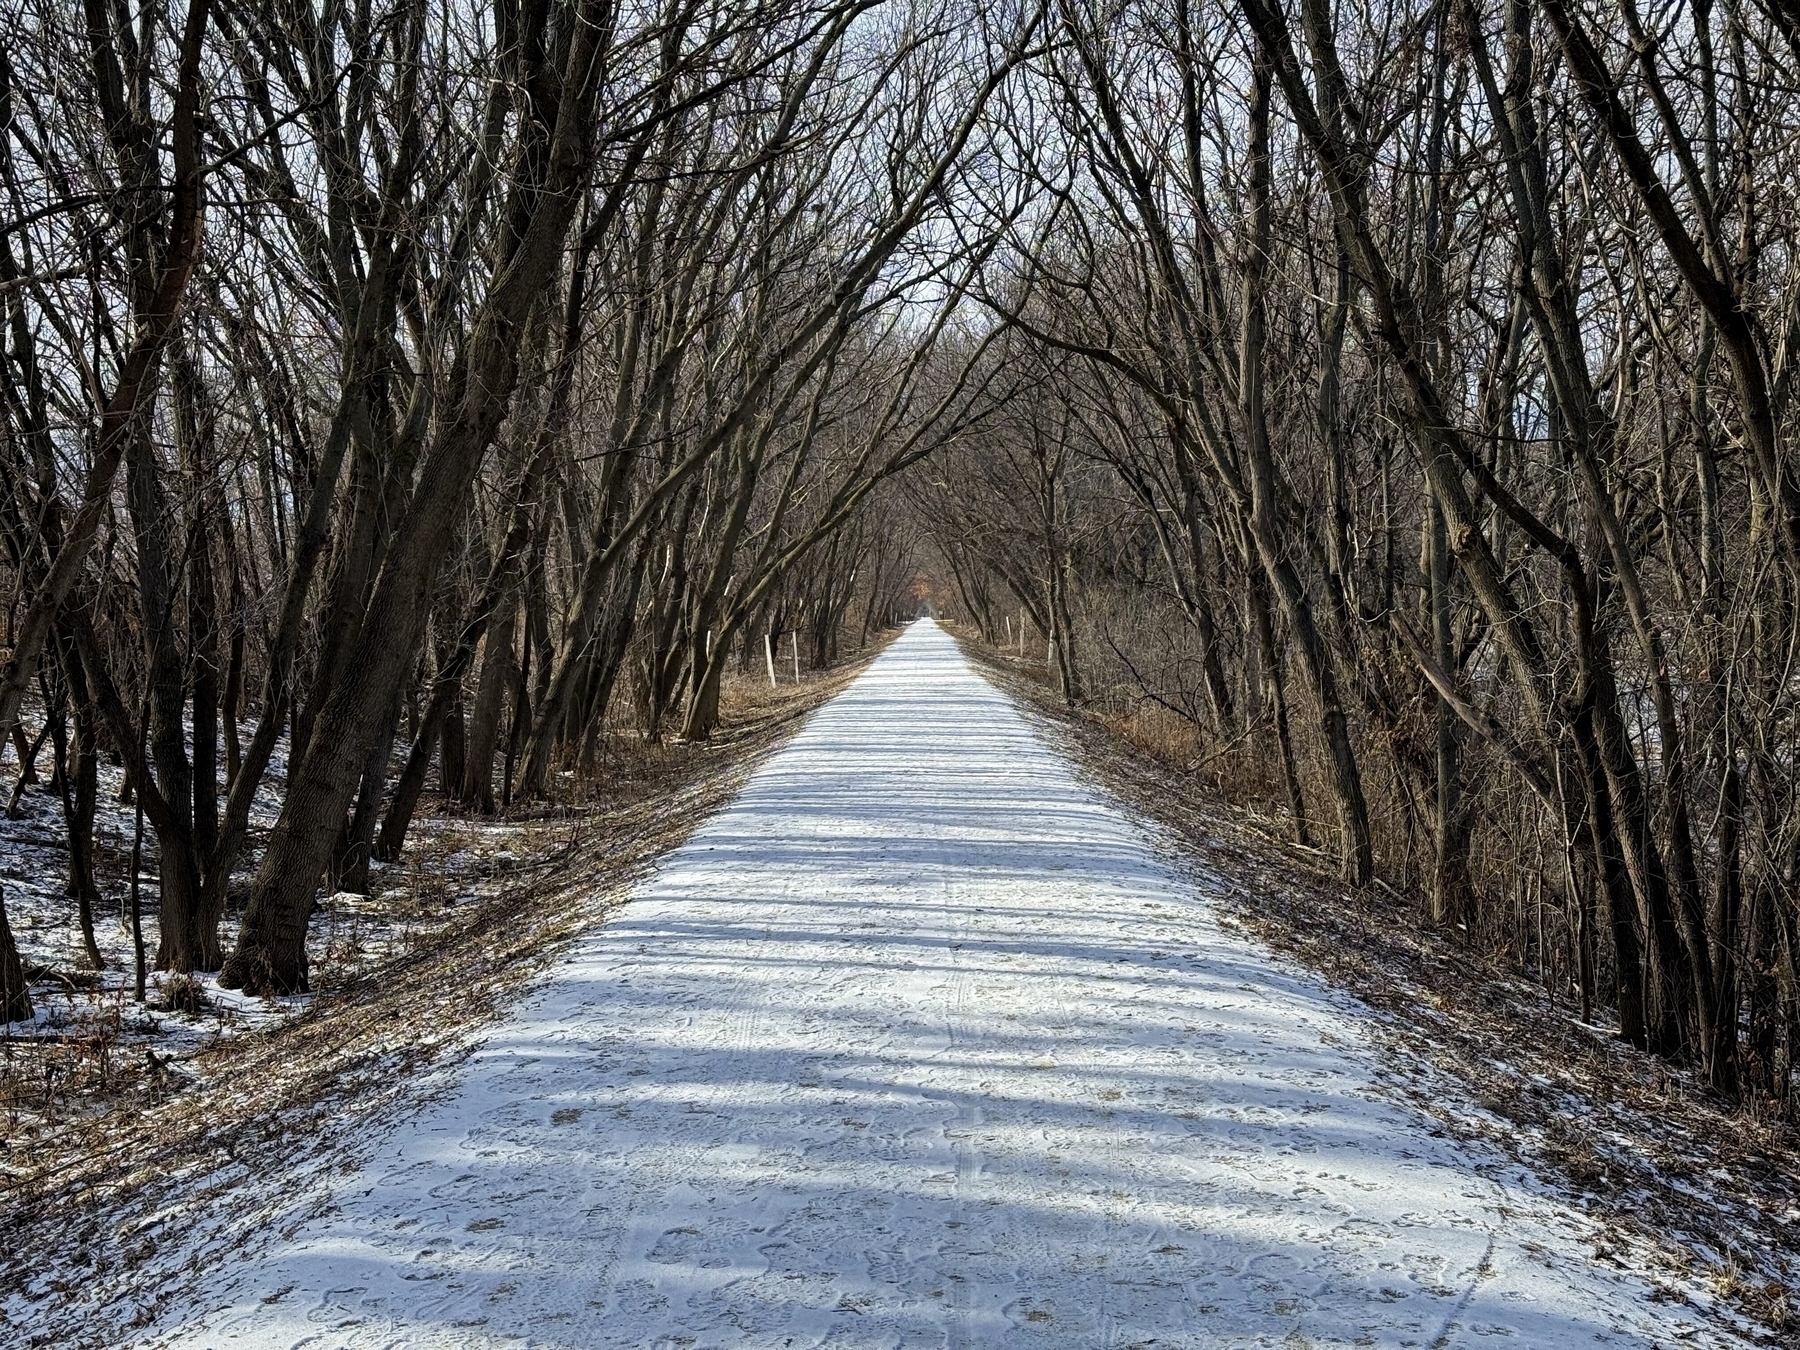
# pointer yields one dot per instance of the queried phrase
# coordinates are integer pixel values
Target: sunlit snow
(920, 1044)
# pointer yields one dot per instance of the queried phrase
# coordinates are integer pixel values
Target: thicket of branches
(431, 370)
(1392, 404)
(1412, 428)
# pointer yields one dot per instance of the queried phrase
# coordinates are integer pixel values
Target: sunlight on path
(918, 1044)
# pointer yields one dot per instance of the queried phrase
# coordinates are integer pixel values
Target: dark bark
(442, 718)
(80, 796)
(1609, 860)
(356, 850)
(453, 741)
(27, 751)
(271, 950)
(154, 320)
(497, 674)
(15, 993)
(1276, 689)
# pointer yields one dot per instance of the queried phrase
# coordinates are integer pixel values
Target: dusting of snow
(69, 999)
(919, 1043)
(451, 861)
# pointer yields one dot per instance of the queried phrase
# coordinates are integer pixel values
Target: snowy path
(918, 1044)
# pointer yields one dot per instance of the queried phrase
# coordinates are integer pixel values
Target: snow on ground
(463, 860)
(69, 999)
(920, 1044)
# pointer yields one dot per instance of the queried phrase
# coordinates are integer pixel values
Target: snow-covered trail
(919, 1044)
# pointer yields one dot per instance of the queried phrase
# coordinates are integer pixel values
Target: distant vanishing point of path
(920, 1044)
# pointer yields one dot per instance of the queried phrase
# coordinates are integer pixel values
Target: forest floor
(127, 1128)
(1689, 1190)
(922, 1040)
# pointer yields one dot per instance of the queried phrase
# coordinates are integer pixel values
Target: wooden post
(769, 651)
(1008, 630)
(796, 656)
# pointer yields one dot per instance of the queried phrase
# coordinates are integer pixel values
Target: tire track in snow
(1482, 1272)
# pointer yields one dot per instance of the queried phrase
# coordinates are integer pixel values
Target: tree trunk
(1609, 861)
(271, 950)
(80, 795)
(182, 943)
(411, 782)
(27, 753)
(203, 637)
(452, 750)
(1276, 688)
(497, 672)
(15, 994)
(359, 833)
(154, 307)
(1450, 832)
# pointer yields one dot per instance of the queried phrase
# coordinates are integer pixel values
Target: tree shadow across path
(918, 1044)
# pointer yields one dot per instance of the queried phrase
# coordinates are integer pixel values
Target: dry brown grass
(148, 1149)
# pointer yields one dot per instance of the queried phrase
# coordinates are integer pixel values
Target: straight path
(918, 1044)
